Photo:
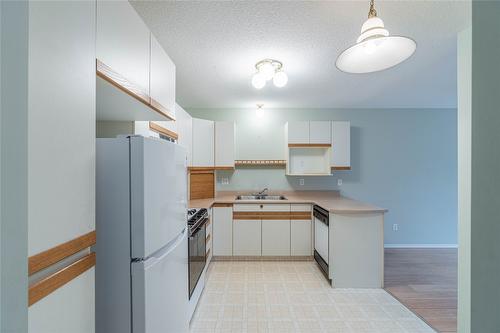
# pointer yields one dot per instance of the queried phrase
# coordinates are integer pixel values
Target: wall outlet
(395, 227)
(339, 182)
(301, 181)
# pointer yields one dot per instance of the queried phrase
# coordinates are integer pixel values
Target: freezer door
(158, 177)
(160, 290)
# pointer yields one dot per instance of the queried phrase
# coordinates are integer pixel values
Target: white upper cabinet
(320, 132)
(298, 132)
(123, 41)
(341, 144)
(224, 144)
(162, 82)
(203, 143)
(184, 123)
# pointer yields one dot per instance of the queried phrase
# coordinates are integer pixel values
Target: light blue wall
(404, 160)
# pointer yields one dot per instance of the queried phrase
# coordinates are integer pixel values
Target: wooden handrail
(44, 287)
(53, 255)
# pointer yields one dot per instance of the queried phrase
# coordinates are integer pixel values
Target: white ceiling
(215, 45)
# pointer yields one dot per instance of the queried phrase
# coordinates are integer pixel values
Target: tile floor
(256, 296)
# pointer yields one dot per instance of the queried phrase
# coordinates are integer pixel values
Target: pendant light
(375, 50)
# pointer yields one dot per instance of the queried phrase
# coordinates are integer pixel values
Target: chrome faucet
(263, 192)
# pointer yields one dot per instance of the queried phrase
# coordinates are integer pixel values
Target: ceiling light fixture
(375, 50)
(269, 69)
(259, 112)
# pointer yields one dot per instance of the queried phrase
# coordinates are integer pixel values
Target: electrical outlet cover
(339, 182)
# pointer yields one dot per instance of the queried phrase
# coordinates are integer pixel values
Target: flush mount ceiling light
(375, 50)
(269, 69)
(259, 112)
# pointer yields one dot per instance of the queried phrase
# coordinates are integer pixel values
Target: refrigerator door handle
(153, 259)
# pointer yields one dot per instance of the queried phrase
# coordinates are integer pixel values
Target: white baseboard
(420, 246)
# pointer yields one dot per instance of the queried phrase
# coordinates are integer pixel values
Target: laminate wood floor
(425, 281)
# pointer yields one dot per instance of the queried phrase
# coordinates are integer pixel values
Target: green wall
(402, 159)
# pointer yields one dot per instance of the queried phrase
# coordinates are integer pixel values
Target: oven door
(197, 255)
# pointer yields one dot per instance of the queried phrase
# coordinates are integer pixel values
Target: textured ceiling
(215, 45)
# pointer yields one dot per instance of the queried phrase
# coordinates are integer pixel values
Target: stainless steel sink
(260, 197)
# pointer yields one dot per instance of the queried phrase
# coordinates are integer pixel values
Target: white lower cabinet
(222, 231)
(301, 238)
(247, 237)
(275, 237)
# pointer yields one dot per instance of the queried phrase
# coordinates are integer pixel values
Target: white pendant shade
(376, 54)
(375, 50)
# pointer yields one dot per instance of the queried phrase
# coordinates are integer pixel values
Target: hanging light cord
(372, 12)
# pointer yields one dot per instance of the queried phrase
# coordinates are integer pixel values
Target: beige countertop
(329, 200)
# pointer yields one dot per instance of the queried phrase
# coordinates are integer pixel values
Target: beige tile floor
(294, 297)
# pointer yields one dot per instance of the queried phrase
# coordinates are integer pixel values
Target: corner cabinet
(203, 143)
(341, 145)
(224, 144)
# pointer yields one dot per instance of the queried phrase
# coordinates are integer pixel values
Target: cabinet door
(123, 41)
(301, 237)
(320, 132)
(341, 144)
(298, 132)
(275, 237)
(247, 237)
(184, 123)
(222, 231)
(162, 75)
(203, 143)
(224, 144)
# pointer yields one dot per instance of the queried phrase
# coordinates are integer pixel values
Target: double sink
(260, 197)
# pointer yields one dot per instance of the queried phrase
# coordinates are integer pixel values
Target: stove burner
(196, 216)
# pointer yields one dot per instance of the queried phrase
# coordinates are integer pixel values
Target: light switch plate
(301, 181)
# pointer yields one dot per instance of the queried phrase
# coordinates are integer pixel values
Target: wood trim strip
(339, 168)
(155, 105)
(162, 130)
(200, 169)
(309, 145)
(219, 204)
(207, 239)
(260, 163)
(44, 287)
(271, 215)
(224, 168)
(117, 80)
(53, 255)
(208, 253)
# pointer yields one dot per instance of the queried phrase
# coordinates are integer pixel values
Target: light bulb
(280, 79)
(258, 81)
(267, 70)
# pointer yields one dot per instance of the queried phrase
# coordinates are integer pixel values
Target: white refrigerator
(142, 250)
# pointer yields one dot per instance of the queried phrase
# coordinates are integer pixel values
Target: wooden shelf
(260, 163)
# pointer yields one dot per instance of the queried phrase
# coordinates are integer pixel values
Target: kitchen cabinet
(224, 144)
(301, 238)
(276, 237)
(123, 42)
(184, 124)
(247, 237)
(320, 132)
(203, 143)
(341, 145)
(297, 132)
(301, 230)
(162, 78)
(222, 227)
